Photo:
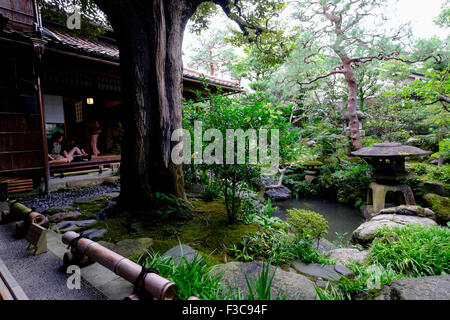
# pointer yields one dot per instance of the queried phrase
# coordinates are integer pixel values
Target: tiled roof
(104, 50)
(110, 51)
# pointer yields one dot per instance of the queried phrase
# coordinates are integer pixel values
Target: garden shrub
(306, 222)
(279, 246)
(441, 174)
(351, 183)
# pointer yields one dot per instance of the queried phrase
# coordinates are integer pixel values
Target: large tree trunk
(150, 42)
(352, 104)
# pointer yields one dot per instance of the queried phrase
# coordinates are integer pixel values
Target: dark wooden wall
(20, 127)
(20, 13)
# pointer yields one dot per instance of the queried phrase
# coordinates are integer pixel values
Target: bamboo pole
(154, 284)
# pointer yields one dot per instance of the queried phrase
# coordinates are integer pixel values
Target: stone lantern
(388, 162)
(361, 115)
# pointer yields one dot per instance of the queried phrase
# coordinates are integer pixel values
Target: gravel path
(41, 277)
(65, 198)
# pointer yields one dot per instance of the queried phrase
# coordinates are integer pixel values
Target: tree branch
(339, 71)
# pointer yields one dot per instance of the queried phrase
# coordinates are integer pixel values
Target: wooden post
(39, 47)
(37, 239)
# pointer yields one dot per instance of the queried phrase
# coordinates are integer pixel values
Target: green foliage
(280, 246)
(441, 174)
(443, 19)
(232, 113)
(351, 183)
(267, 244)
(414, 250)
(193, 278)
(260, 287)
(169, 203)
(367, 278)
(409, 252)
(306, 222)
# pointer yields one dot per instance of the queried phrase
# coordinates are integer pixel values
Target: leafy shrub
(369, 278)
(414, 250)
(306, 222)
(169, 202)
(419, 168)
(279, 246)
(441, 174)
(351, 183)
(370, 140)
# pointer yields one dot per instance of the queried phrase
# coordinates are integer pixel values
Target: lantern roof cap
(390, 149)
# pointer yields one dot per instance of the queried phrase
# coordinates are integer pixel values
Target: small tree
(226, 113)
(308, 223)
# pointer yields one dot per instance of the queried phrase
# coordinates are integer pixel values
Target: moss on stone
(90, 206)
(440, 205)
(208, 232)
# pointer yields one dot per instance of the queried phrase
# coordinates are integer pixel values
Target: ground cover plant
(409, 252)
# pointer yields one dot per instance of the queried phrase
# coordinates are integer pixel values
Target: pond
(341, 219)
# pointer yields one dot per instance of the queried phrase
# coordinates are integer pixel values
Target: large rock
(322, 272)
(129, 248)
(94, 233)
(348, 255)
(426, 288)
(58, 217)
(278, 194)
(75, 225)
(440, 206)
(287, 285)
(365, 233)
(435, 187)
(409, 211)
(181, 251)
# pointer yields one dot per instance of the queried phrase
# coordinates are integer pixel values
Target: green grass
(414, 250)
(193, 278)
(260, 287)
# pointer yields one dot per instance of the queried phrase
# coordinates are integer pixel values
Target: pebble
(65, 198)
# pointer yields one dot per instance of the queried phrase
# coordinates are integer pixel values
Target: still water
(341, 219)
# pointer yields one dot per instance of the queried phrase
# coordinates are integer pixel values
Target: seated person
(58, 154)
(73, 144)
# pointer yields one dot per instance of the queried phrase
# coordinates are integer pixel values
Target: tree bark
(352, 104)
(150, 37)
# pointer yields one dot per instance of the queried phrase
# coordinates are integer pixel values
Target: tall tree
(340, 28)
(212, 53)
(150, 35)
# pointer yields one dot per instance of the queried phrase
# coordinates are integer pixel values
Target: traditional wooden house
(53, 81)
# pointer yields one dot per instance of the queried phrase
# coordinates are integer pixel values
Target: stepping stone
(58, 217)
(318, 271)
(75, 225)
(94, 233)
(346, 272)
(180, 251)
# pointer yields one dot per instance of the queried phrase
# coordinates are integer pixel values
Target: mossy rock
(129, 248)
(315, 163)
(435, 187)
(55, 210)
(440, 205)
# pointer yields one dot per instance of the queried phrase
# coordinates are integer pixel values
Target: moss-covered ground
(209, 231)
